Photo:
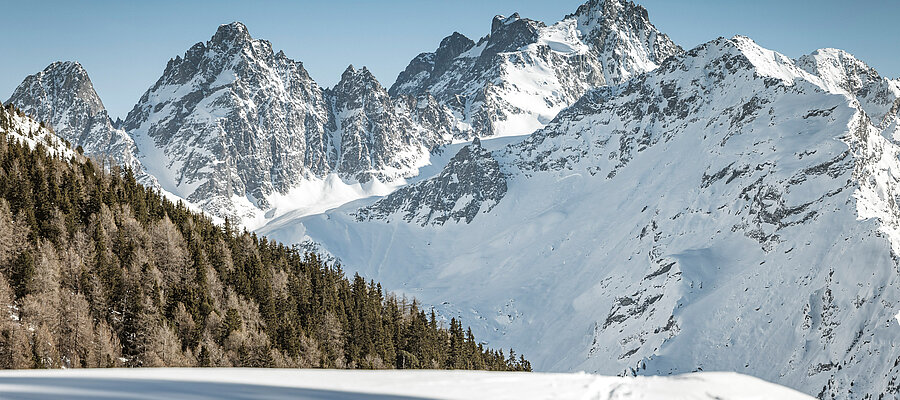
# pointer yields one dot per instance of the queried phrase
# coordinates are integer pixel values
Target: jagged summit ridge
(841, 72)
(232, 33)
(621, 30)
(515, 79)
(61, 81)
(219, 125)
(179, 125)
(230, 124)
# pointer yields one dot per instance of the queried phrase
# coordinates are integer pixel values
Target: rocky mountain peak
(235, 33)
(599, 10)
(455, 43)
(427, 65)
(231, 125)
(66, 83)
(518, 77)
(362, 76)
(500, 20)
(841, 72)
(839, 69)
(376, 135)
(63, 96)
(229, 120)
(623, 28)
(230, 49)
(510, 34)
(451, 47)
(348, 72)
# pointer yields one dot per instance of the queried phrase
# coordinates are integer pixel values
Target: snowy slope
(731, 210)
(17, 126)
(227, 383)
(518, 77)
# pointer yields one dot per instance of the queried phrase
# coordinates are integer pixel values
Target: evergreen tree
(102, 272)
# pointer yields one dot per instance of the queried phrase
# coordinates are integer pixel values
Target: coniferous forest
(99, 271)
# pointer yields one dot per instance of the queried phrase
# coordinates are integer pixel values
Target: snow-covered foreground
(238, 383)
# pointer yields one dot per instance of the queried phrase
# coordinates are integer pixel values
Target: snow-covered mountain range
(586, 192)
(243, 132)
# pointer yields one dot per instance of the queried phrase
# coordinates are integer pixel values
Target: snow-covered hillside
(732, 210)
(17, 126)
(226, 383)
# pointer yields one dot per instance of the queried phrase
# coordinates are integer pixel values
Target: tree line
(98, 271)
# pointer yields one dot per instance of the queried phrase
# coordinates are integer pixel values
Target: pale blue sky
(125, 45)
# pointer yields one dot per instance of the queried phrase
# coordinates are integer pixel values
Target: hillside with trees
(99, 271)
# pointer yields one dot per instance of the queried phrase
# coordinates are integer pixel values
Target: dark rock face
(472, 183)
(509, 34)
(426, 65)
(376, 135)
(451, 47)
